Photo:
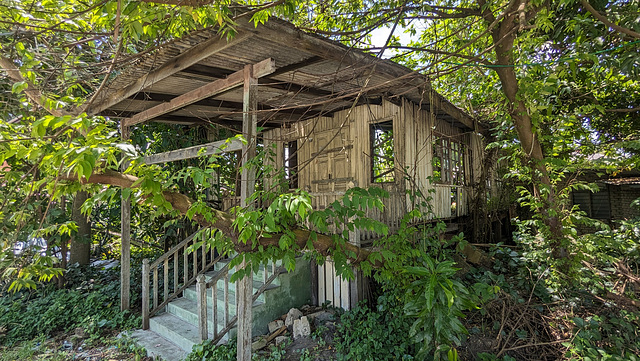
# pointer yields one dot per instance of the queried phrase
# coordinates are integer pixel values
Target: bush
(380, 334)
(209, 351)
(47, 311)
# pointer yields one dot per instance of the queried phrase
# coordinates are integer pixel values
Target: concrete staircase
(173, 332)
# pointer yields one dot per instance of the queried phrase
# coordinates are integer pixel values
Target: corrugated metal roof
(623, 181)
(313, 76)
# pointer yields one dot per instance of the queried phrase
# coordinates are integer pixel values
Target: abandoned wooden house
(336, 117)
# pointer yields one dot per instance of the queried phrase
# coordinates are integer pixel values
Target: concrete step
(258, 276)
(187, 310)
(172, 328)
(178, 324)
(190, 292)
(158, 346)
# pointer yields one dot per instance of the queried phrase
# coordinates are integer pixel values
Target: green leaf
(429, 293)
(19, 87)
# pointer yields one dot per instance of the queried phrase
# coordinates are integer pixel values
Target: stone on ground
(275, 325)
(301, 328)
(292, 315)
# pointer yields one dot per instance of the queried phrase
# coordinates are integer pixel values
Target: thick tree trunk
(81, 241)
(504, 35)
(223, 222)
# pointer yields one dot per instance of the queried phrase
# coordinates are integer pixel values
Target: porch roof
(313, 76)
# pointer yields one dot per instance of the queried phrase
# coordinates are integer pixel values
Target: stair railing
(193, 264)
(202, 287)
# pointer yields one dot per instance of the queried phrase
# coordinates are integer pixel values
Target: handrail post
(201, 288)
(145, 294)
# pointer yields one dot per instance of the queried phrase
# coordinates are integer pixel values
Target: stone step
(190, 292)
(157, 346)
(176, 330)
(257, 276)
(187, 310)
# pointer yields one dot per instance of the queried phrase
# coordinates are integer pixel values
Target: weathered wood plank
(179, 63)
(145, 294)
(185, 263)
(214, 308)
(260, 69)
(228, 145)
(344, 294)
(125, 239)
(175, 272)
(226, 298)
(247, 187)
(155, 288)
(328, 281)
(321, 284)
(165, 275)
(201, 292)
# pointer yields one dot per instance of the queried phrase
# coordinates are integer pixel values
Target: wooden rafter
(287, 35)
(260, 69)
(195, 151)
(180, 62)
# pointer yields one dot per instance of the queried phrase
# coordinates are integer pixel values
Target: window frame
(290, 155)
(387, 173)
(451, 153)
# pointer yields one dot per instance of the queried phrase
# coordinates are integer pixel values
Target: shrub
(380, 334)
(47, 311)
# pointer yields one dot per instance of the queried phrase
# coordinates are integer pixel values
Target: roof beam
(227, 145)
(260, 69)
(180, 62)
(287, 34)
(219, 105)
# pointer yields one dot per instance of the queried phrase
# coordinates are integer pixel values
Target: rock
(275, 325)
(80, 332)
(292, 315)
(321, 316)
(281, 339)
(66, 346)
(301, 328)
(259, 344)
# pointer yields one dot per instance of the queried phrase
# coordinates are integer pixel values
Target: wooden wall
(334, 155)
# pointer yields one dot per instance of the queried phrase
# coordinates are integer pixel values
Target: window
(448, 161)
(595, 205)
(291, 163)
(382, 152)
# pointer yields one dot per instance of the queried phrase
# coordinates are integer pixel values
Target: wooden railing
(203, 286)
(193, 264)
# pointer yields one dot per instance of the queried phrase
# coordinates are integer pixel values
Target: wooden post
(125, 247)
(201, 292)
(247, 186)
(145, 294)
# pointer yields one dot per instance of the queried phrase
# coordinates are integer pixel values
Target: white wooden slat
(329, 282)
(321, 284)
(336, 288)
(344, 294)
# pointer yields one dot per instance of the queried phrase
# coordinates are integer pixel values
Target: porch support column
(247, 187)
(125, 247)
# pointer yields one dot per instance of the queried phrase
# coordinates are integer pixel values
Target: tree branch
(32, 92)
(608, 23)
(223, 221)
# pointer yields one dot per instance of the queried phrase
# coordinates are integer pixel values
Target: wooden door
(331, 171)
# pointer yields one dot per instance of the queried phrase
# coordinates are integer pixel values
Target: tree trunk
(81, 241)
(504, 35)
